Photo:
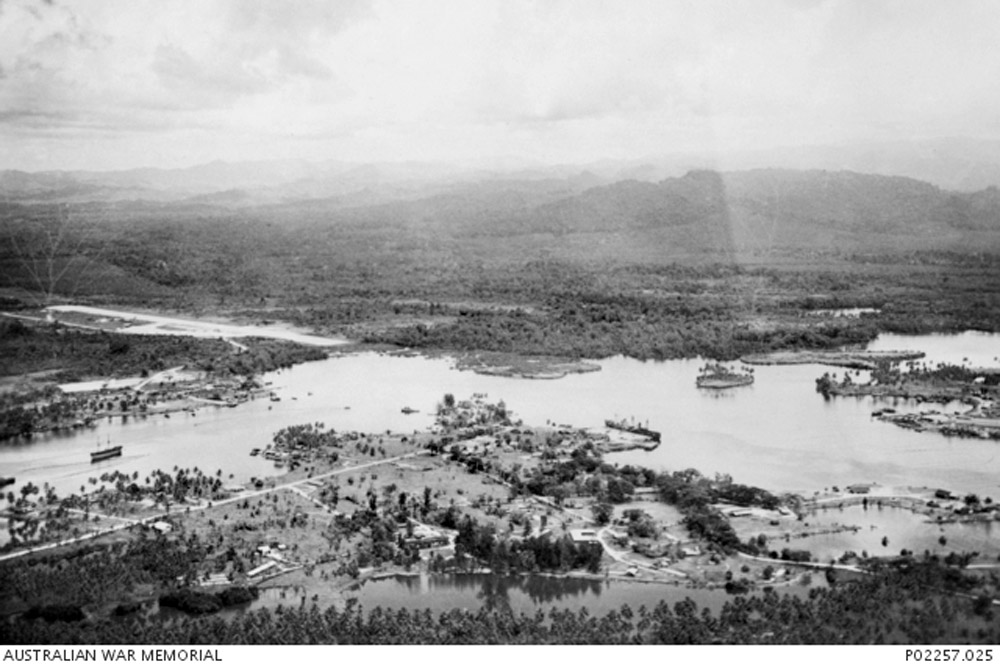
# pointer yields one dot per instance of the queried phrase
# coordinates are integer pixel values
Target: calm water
(517, 593)
(527, 593)
(778, 433)
(904, 530)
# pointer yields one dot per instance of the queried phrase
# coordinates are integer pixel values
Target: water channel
(778, 433)
(519, 594)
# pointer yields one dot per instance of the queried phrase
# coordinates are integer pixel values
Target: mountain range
(639, 211)
(959, 164)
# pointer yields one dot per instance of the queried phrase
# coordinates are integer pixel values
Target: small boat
(6, 481)
(255, 451)
(103, 454)
(408, 410)
(275, 398)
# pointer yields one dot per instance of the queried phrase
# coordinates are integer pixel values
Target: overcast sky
(105, 84)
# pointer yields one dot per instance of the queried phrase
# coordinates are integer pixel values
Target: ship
(633, 428)
(6, 481)
(718, 376)
(103, 454)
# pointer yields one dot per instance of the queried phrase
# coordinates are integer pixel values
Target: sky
(117, 84)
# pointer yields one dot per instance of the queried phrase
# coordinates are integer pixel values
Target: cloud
(561, 77)
(205, 83)
(179, 56)
(277, 23)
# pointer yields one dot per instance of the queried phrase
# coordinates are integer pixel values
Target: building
(584, 536)
(262, 569)
(161, 527)
(425, 537)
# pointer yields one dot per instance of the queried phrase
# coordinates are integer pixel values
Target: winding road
(127, 523)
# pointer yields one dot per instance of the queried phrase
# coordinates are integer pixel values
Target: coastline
(527, 367)
(858, 359)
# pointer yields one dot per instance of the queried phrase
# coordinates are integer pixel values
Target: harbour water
(778, 433)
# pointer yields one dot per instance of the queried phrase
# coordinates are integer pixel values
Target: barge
(104, 454)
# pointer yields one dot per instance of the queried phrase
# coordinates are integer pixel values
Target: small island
(720, 376)
(526, 367)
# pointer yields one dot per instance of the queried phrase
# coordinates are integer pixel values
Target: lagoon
(899, 528)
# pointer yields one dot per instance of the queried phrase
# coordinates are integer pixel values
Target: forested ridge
(706, 264)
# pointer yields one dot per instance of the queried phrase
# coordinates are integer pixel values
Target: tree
(824, 385)
(602, 513)
(619, 490)
(55, 252)
(427, 499)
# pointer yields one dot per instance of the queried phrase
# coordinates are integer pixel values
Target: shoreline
(856, 359)
(528, 367)
(702, 570)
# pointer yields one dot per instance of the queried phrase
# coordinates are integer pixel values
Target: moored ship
(633, 428)
(103, 454)
(718, 376)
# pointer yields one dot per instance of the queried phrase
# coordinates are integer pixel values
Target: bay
(778, 433)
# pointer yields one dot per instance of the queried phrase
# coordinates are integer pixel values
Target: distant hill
(703, 211)
(952, 163)
(379, 213)
(956, 164)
